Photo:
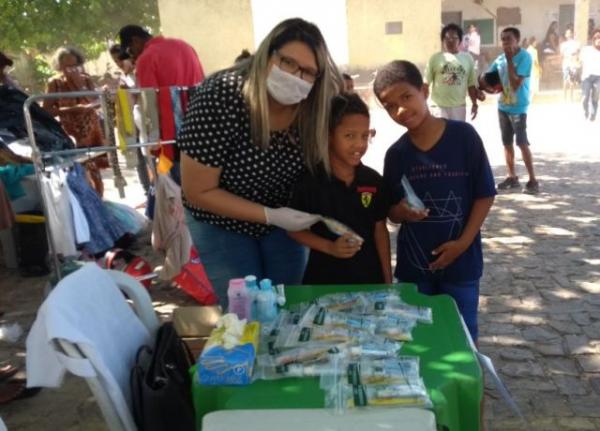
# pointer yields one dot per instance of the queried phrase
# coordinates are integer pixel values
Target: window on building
(486, 29)
(393, 27)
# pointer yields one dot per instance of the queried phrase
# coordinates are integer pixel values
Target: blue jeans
(465, 294)
(228, 255)
(590, 88)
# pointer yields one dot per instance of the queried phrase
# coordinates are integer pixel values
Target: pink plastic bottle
(240, 302)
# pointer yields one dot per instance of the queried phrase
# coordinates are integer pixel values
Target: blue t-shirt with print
(510, 101)
(448, 179)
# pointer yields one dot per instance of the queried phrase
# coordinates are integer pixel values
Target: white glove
(290, 219)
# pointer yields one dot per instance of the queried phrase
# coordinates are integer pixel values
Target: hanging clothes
(177, 108)
(169, 231)
(7, 217)
(80, 223)
(55, 194)
(104, 228)
(167, 120)
(149, 110)
(124, 117)
(11, 175)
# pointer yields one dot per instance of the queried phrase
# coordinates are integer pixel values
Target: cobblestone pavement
(540, 295)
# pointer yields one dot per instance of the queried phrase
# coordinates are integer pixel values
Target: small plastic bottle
(266, 302)
(252, 288)
(239, 299)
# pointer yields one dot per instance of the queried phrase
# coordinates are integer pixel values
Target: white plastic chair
(117, 417)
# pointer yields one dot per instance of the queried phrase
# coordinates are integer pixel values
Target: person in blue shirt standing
(444, 161)
(514, 67)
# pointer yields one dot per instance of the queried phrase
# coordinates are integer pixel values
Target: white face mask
(286, 88)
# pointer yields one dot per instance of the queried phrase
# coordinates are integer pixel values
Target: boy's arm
(382, 244)
(344, 247)
(450, 250)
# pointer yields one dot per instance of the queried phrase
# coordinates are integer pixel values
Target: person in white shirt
(473, 44)
(590, 76)
(569, 49)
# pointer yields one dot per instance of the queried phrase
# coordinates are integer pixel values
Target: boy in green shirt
(451, 75)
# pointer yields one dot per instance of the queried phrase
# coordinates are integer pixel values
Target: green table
(448, 367)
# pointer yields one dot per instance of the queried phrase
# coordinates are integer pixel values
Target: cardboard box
(194, 325)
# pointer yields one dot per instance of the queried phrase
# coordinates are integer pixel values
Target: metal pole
(39, 171)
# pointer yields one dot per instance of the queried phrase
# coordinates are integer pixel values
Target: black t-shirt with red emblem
(359, 206)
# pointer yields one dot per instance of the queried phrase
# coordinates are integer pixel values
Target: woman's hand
(290, 219)
(344, 247)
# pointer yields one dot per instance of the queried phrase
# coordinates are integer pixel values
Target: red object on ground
(131, 264)
(194, 281)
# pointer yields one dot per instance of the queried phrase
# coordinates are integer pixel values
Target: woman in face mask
(249, 133)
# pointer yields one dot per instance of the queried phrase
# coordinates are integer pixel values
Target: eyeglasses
(289, 65)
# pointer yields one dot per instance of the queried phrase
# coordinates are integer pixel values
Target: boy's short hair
(514, 30)
(346, 76)
(452, 27)
(346, 104)
(395, 72)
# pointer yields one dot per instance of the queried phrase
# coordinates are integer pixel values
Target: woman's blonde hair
(312, 118)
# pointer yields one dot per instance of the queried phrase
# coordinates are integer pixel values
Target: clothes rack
(40, 158)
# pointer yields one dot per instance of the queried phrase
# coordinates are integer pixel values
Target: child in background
(439, 247)
(352, 194)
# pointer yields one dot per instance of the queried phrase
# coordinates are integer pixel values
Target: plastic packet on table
(314, 369)
(340, 301)
(387, 295)
(390, 371)
(344, 396)
(311, 351)
(400, 309)
(375, 347)
(396, 371)
(395, 328)
(325, 317)
(296, 335)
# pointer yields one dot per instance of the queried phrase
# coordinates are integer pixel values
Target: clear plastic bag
(295, 335)
(395, 328)
(343, 396)
(401, 370)
(309, 352)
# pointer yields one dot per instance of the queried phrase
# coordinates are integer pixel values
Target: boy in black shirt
(352, 194)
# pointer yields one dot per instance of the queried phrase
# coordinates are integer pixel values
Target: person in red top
(161, 61)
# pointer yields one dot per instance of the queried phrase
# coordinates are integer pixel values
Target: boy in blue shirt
(439, 246)
(514, 67)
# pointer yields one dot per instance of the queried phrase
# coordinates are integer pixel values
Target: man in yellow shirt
(451, 75)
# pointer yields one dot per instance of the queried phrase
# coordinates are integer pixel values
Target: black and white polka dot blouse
(216, 133)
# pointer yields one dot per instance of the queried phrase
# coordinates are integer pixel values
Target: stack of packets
(229, 354)
(352, 341)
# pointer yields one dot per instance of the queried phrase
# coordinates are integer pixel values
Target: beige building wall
(217, 29)
(536, 15)
(370, 46)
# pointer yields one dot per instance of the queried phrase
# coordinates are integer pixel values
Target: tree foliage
(41, 26)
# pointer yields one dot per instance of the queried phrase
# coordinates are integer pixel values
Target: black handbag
(161, 388)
